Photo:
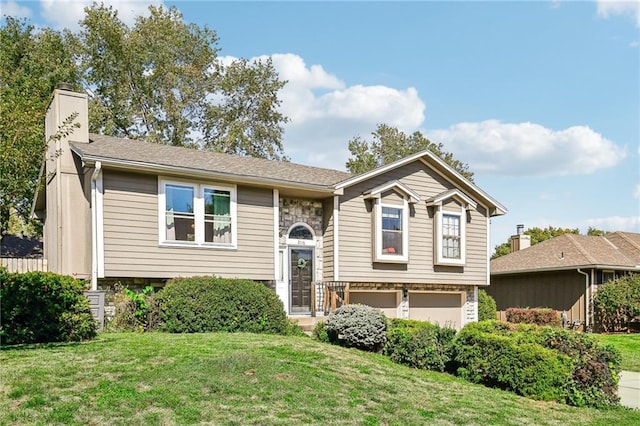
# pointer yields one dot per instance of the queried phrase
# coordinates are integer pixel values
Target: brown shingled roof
(112, 149)
(570, 251)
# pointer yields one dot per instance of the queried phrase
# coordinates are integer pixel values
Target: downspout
(94, 226)
(586, 298)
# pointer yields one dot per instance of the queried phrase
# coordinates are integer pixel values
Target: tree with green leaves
(539, 235)
(390, 144)
(32, 63)
(161, 80)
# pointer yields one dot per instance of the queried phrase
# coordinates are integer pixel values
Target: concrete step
(307, 323)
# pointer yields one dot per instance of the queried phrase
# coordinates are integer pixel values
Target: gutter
(567, 268)
(94, 226)
(228, 177)
(586, 298)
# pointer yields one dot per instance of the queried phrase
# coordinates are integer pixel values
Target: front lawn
(250, 379)
(628, 345)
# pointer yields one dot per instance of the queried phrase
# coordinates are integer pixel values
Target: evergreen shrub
(546, 363)
(500, 361)
(38, 307)
(487, 308)
(357, 326)
(207, 304)
(419, 344)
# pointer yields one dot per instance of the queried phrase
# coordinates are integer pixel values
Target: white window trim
(380, 257)
(440, 259)
(301, 243)
(198, 211)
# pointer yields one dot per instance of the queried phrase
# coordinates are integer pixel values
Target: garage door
(441, 308)
(386, 301)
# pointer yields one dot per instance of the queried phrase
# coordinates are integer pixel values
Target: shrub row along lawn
(628, 345)
(243, 379)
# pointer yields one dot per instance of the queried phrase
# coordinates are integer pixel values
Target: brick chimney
(520, 241)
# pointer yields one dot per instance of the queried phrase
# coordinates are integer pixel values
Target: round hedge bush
(419, 344)
(207, 304)
(357, 326)
(39, 307)
(546, 363)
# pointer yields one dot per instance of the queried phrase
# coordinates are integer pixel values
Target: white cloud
(12, 8)
(636, 191)
(528, 149)
(325, 113)
(67, 13)
(616, 223)
(607, 8)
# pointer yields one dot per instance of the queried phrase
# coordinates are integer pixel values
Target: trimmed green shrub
(487, 308)
(419, 344)
(500, 361)
(617, 303)
(206, 304)
(539, 362)
(357, 326)
(537, 316)
(38, 307)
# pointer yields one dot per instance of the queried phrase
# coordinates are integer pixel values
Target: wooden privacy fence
(24, 264)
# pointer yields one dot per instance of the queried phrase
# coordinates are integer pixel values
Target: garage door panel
(387, 302)
(444, 309)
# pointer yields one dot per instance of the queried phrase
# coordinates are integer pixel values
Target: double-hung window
(197, 214)
(450, 237)
(391, 233)
(391, 230)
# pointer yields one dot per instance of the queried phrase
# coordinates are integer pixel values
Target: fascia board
(198, 173)
(568, 268)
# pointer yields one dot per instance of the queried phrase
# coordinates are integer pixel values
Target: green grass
(628, 345)
(243, 379)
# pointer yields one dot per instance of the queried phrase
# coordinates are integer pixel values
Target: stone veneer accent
(294, 211)
(471, 307)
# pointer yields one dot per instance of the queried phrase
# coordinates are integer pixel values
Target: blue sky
(542, 99)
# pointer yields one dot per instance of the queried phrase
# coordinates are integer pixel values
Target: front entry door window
(301, 277)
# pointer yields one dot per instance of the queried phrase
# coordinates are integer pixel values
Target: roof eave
(89, 160)
(495, 208)
(567, 268)
(40, 194)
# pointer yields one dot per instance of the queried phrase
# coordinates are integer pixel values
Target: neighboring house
(562, 273)
(19, 253)
(411, 237)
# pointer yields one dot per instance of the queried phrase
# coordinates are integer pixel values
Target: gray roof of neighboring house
(20, 246)
(571, 251)
(113, 149)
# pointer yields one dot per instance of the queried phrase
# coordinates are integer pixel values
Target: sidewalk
(629, 389)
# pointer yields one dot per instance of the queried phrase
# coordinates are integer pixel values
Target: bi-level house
(411, 237)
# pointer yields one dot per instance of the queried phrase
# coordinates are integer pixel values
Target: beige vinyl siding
(327, 243)
(131, 246)
(356, 235)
